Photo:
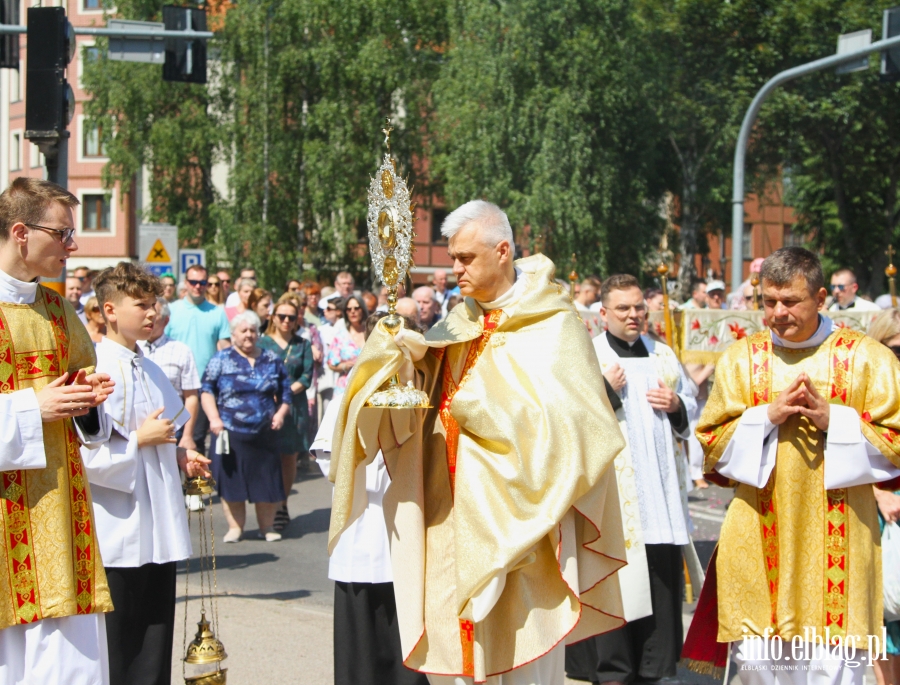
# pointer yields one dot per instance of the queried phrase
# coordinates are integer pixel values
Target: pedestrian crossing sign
(158, 253)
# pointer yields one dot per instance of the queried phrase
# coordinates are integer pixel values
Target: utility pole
(740, 152)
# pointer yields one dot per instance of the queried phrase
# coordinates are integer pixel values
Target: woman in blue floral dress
(247, 395)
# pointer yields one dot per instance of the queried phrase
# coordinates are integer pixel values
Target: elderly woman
(245, 290)
(885, 328)
(348, 341)
(247, 396)
(296, 354)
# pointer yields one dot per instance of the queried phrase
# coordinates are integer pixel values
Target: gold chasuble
(794, 557)
(51, 561)
(502, 492)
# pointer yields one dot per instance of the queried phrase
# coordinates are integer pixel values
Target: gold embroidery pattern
(57, 314)
(467, 640)
(82, 533)
(16, 516)
(38, 364)
(761, 393)
(836, 523)
(450, 388)
(20, 551)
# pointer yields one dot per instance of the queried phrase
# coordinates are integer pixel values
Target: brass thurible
(390, 221)
(203, 657)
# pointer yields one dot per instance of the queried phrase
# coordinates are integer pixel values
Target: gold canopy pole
(891, 273)
(663, 272)
(573, 278)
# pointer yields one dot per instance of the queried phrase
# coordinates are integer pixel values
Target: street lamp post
(740, 152)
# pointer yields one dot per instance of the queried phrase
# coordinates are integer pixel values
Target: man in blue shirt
(203, 327)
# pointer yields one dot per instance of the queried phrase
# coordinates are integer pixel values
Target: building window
(92, 141)
(93, 4)
(437, 218)
(95, 213)
(91, 54)
(747, 243)
(15, 152)
(791, 237)
(37, 157)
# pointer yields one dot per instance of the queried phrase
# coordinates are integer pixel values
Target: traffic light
(890, 59)
(185, 59)
(49, 100)
(9, 45)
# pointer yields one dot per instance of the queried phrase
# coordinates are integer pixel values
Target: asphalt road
(276, 602)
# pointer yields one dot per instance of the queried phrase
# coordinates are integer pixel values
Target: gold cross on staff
(890, 253)
(387, 133)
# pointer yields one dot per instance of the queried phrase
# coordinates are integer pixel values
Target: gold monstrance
(204, 656)
(390, 220)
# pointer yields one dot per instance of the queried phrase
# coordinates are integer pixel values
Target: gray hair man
(483, 507)
(429, 309)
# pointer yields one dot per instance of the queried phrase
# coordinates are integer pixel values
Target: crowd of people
(532, 519)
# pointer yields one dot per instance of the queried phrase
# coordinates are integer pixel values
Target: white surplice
(138, 501)
(67, 650)
(363, 554)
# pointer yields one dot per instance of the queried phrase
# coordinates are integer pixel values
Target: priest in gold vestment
(502, 512)
(804, 417)
(52, 627)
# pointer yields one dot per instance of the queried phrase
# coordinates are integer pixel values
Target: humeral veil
(503, 512)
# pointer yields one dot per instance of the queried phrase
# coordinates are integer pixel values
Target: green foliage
(539, 109)
(838, 136)
(166, 126)
(580, 117)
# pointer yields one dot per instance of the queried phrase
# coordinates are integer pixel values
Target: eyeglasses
(196, 283)
(226, 280)
(287, 317)
(838, 286)
(354, 309)
(64, 234)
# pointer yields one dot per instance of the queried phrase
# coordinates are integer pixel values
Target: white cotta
(656, 473)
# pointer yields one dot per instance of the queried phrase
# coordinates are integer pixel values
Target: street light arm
(8, 29)
(740, 152)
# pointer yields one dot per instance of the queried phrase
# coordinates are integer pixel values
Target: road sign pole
(740, 152)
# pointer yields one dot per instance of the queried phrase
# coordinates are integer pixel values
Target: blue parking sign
(191, 257)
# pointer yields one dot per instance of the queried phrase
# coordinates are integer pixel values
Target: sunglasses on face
(196, 283)
(838, 286)
(354, 309)
(287, 317)
(213, 283)
(226, 281)
(331, 309)
(95, 309)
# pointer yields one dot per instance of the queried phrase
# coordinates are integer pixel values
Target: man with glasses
(203, 327)
(653, 399)
(53, 589)
(224, 282)
(843, 289)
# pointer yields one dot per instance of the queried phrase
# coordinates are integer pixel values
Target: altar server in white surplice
(135, 480)
(653, 399)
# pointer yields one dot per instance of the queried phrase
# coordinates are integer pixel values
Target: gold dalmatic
(794, 557)
(47, 538)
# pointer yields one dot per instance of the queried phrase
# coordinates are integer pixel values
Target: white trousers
(67, 651)
(822, 669)
(550, 669)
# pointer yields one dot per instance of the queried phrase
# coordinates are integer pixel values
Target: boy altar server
(141, 523)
